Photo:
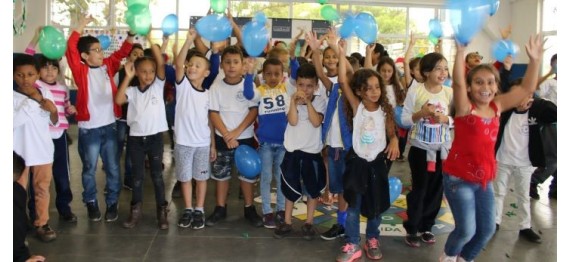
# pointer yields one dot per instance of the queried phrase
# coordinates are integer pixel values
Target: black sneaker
(283, 230)
(530, 235)
(68, 217)
(279, 218)
(336, 231)
(112, 213)
(251, 215)
(186, 218)
(412, 240)
(93, 211)
(428, 237)
(218, 215)
(309, 231)
(198, 219)
(533, 193)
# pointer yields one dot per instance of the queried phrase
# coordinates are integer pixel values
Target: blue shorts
(299, 166)
(222, 167)
(336, 163)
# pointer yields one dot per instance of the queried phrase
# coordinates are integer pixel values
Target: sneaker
(530, 235)
(68, 217)
(279, 218)
(112, 213)
(251, 215)
(349, 252)
(533, 193)
(45, 233)
(336, 231)
(446, 258)
(218, 215)
(372, 248)
(412, 240)
(309, 231)
(198, 219)
(283, 230)
(186, 219)
(268, 220)
(428, 237)
(93, 211)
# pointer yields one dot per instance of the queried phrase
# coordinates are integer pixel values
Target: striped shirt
(61, 99)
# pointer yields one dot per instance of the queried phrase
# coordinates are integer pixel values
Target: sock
(201, 209)
(341, 217)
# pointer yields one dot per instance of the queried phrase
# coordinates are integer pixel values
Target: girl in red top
(471, 164)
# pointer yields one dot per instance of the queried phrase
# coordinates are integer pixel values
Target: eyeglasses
(96, 50)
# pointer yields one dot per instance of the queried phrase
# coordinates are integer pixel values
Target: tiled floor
(235, 240)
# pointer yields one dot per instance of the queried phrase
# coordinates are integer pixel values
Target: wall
(37, 11)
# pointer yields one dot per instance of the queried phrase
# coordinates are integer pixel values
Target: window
(67, 12)
(270, 9)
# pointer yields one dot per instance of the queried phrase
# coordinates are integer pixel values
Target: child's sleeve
(249, 92)
(320, 104)
(254, 103)
(23, 109)
(214, 70)
(113, 62)
(294, 67)
(214, 100)
(72, 53)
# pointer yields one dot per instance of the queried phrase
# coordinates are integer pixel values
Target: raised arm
(157, 53)
(181, 57)
(121, 97)
(459, 85)
(343, 81)
(235, 28)
(368, 57)
(72, 54)
(293, 44)
(31, 48)
(315, 44)
(534, 50)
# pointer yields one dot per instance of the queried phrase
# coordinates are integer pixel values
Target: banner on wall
(320, 27)
(281, 28)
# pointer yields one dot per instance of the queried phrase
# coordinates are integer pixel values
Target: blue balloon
(366, 27)
(467, 18)
(105, 41)
(170, 24)
(255, 38)
(260, 18)
(346, 29)
(247, 161)
(395, 188)
(494, 6)
(214, 27)
(504, 48)
(435, 28)
(398, 117)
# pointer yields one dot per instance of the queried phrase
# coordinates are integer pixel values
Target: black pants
(140, 147)
(424, 200)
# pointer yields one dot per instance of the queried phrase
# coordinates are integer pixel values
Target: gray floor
(235, 240)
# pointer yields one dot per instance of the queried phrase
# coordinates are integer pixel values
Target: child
(471, 164)
(49, 74)
(232, 116)
(412, 74)
(122, 127)
(520, 132)
(272, 97)
(366, 177)
(96, 113)
(146, 117)
(34, 112)
(303, 161)
(427, 108)
(194, 140)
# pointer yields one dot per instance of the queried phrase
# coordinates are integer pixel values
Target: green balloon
(329, 13)
(322, 2)
(433, 39)
(139, 19)
(52, 42)
(137, 9)
(219, 6)
(137, 2)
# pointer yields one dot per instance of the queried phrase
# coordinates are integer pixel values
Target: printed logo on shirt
(240, 97)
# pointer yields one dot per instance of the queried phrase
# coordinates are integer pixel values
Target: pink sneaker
(349, 252)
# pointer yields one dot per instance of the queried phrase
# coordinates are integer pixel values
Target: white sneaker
(446, 258)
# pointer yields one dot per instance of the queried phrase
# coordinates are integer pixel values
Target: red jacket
(80, 70)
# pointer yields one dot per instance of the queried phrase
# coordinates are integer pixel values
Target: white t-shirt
(233, 107)
(191, 119)
(146, 114)
(322, 91)
(369, 135)
(548, 90)
(100, 101)
(514, 147)
(304, 136)
(391, 94)
(32, 138)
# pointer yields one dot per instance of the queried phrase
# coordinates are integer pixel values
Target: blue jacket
(335, 99)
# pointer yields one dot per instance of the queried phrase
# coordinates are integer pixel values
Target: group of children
(323, 128)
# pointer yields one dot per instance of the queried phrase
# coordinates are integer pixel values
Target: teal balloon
(255, 38)
(214, 27)
(366, 27)
(260, 18)
(247, 161)
(433, 39)
(504, 48)
(170, 24)
(139, 19)
(329, 13)
(435, 28)
(346, 29)
(493, 6)
(395, 188)
(219, 6)
(467, 18)
(322, 2)
(52, 42)
(137, 2)
(105, 41)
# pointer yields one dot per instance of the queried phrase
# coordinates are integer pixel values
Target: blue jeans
(473, 208)
(336, 161)
(92, 143)
(352, 226)
(122, 134)
(271, 157)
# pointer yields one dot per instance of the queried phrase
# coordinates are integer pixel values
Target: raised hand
(130, 69)
(311, 38)
(535, 47)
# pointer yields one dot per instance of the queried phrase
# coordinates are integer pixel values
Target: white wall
(36, 15)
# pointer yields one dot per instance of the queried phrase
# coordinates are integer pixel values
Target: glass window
(549, 15)
(391, 20)
(191, 8)
(68, 12)
(270, 9)
(419, 20)
(550, 49)
(308, 11)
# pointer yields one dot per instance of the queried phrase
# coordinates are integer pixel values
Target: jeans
(352, 225)
(336, 161)
(473, 208)
(92, 143)
(122, 134)
(141, 146)
(271, 157)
